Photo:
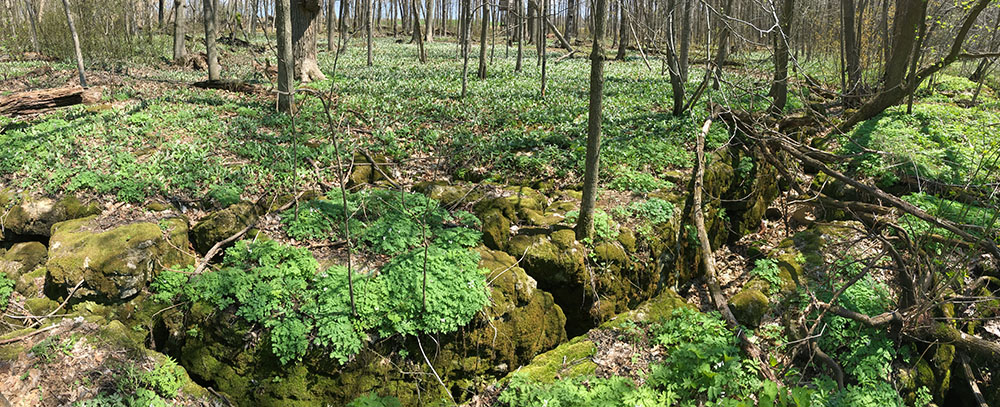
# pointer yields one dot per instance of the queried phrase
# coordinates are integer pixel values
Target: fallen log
(229, 85)
(40, 101)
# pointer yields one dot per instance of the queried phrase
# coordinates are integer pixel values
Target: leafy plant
(605, 228)
(767, 270)
(373, 400)
(6, 289)
(640, 182)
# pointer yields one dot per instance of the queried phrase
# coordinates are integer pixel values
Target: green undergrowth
(939, 142)
(133, 387)
(6, 289)
(704, 366)
(978, 221)
(301, 307)
(384, 222)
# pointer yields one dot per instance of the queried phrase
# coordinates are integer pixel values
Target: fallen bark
(40, 101)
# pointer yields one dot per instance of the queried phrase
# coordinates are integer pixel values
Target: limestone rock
(22, 258)
(114, 264)
(220, 225)
(28, 215)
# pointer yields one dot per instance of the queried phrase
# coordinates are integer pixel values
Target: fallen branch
(972, 381)
(706, 248)
(228, 85)
(49, 315)
(28, 335)
(218, 246)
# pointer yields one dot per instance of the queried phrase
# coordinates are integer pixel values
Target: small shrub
(639, 182)
(373, 400)
(6, 289)
(605, 228)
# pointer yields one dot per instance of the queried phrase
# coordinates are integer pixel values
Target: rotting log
(40, 101)
(228, 85)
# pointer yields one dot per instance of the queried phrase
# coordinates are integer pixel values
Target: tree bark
(585, 224)
(466, 18)
(623, 22)
(779, 85)
(685, 41)
(482, 39)
(852, 55)
(286, 66)
(520, 35)
(214, 70)
(33, 19)
(179, 49)
(40, 101)
(76, 44)
(571, 7)
(305, 27)
(429, 21)
(368, 29)
(331, 22)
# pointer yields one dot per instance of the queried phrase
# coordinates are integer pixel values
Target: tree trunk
(160, 14)
(570, 20)
(214, 70)
(532, 14)
(368, 30)
(33, 19)
(685, 41)
(520, 35)
(622, 30)
(482, 39)
(542, 29)
(852, 55)
(286, 67)
(305, 27)
(779, 86)
(179, 51)
(429, 21)
(585, 224)
(76, 44)
(466, 18)
(331, 22)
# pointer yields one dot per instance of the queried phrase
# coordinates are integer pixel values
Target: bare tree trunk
(520, 35)
(160, 14)
(852, 55)
(214, 70)
(33, 18)
(685, 41)
(543, 28)
(466, 22)
(429, 21)
(368, 29)
(305, 27)
(779, 86)
(482, 39)
(623, 23)
(418, 34)
(585, 223)
(570, 20)
(286, 66)
(76, 44)
(331, 22)
(179, 51)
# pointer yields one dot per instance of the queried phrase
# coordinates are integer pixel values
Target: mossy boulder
(365, 171)
(749, 306)
(22, 258)
(220, 225)
(30, 215)
(449, 194)
(497, 215)
(525, 198)
(31, 284)
(571, 359)
(114, 264)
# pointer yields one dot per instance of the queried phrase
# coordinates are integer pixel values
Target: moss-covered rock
(521, 322)
(365, 172)
(114, 264)
(449, 194)
(749, 306)
(31, 284)
(30, 215)
(571, 359)
(22, 258)
(220, 225)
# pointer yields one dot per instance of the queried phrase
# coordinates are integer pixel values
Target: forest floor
(155, 139)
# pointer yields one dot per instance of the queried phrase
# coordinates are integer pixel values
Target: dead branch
(709, 259)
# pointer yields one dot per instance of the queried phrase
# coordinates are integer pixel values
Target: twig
(436, 376)
(218, 246)
(60, 305)
(28, 335)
